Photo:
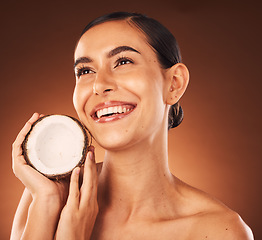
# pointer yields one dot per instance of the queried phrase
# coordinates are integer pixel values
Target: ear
(178, 78)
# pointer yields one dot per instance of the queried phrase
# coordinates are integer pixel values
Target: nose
(104, 83)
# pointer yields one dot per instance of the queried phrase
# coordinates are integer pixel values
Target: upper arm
(21, 215)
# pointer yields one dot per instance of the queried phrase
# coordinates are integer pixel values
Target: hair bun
(175, 115)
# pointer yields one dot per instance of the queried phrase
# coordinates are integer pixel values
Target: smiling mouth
(111, 111)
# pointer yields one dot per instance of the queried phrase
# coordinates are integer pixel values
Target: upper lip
(110, 104)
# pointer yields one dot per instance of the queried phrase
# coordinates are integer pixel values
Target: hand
(79, 214)
(38, 185)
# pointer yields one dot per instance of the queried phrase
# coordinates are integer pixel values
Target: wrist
(51, 203)
(45, 213)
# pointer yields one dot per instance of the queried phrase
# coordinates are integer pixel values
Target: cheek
(146, 84)
(80, 97)
(76, 99)
(148, 87)
(138, 83)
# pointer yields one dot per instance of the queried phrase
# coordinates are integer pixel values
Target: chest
(165, 230)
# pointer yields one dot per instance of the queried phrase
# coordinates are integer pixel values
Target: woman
(129, 79)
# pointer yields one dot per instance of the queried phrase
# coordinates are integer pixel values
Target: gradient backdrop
(217, 148)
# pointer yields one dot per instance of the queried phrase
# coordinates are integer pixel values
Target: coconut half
(56, 144)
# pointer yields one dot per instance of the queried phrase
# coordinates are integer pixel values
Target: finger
(30, 178)
(74, 194)
(89, 186)
(17, 157)
(17, 150)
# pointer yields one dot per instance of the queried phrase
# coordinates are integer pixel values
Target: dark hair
(160, 39)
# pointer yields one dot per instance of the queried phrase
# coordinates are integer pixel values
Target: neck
(136, 176)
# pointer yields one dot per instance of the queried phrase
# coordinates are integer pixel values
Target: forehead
(106, 36)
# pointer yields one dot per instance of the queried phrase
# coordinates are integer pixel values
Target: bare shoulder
(226, 225)
(211, 219)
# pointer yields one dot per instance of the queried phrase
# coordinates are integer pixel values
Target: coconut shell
(87, 143)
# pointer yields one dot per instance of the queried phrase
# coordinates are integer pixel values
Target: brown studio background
(217, 147)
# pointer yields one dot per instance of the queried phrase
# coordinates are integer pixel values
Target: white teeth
(98, 113)
(119, 109)
(111, 110)
(104, 111)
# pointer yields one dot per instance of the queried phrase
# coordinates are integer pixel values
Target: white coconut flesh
(55, 145)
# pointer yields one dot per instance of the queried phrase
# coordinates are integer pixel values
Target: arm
(38, 211)
(42, 219)
(21, 216)
(79, 214)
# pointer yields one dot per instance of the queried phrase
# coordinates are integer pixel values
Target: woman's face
(120, 86)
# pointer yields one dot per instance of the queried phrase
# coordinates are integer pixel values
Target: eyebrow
(120, 49)
(111, 53)
(82, 60)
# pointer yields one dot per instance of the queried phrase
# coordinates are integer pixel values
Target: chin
(113, 142)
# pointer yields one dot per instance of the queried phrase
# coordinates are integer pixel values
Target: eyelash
(120, 61)
(80, 71)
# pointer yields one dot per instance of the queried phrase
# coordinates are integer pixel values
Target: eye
(123, 61)
(83, 71)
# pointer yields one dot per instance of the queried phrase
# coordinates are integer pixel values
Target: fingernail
(77, 170)
(91, 148)
(90, 155)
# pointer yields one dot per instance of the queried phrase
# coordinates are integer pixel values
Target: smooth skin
(46, 210)
(135, 196)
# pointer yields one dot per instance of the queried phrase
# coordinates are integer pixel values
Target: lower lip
(113, 117)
